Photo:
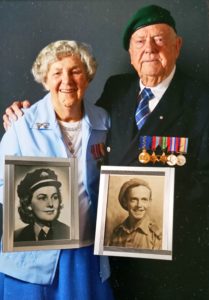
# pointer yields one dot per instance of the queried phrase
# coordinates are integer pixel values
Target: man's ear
(179, 42)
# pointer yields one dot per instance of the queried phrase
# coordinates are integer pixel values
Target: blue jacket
(27, 138)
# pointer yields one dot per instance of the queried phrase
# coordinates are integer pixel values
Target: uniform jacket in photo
(27, 233)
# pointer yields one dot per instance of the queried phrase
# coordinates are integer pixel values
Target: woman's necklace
(72, 135)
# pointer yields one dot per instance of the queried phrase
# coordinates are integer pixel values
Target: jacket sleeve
(105, 99)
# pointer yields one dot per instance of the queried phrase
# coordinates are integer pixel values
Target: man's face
(153, 52)
(45, 203)
(138, 202)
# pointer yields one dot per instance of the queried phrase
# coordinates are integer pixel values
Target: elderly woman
(40, 205)
(60, 125)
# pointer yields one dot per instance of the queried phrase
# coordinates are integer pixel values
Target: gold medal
(144, 157)
(181, 160)
(154, 158)
(171, 160)
(163, 158)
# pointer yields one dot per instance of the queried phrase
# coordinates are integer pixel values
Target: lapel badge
(44, 125)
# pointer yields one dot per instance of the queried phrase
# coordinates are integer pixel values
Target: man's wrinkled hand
(14, 112)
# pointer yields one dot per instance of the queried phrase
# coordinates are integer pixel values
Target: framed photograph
(41, 204)
(135, 212)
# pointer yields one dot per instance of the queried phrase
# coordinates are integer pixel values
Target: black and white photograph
(135, 212)
(41, 204)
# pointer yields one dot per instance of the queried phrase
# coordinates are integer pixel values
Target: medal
(144, 143)
(144, 157)
(153, 157)
(181, 159)
(98, 152)
(163, 157)
(171, 159)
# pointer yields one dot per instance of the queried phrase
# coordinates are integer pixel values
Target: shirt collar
(143, 225)
(37, 229)
(160, 89)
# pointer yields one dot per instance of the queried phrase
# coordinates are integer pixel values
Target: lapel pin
(44, 125)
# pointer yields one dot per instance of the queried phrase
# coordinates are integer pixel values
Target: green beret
(146, 16)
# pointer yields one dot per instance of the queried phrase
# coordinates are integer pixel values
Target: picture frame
(126, 231)
(18, 233)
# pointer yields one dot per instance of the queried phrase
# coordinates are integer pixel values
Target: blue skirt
(77, 278)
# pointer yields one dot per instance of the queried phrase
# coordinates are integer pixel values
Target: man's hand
(14, 112)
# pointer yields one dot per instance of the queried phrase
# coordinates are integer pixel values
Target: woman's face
(67, 82)
(45, 203)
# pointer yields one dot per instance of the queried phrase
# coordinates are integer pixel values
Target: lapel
(127, 110)
(167, 112)
(165, 120)
(95, 125)
(123, 116)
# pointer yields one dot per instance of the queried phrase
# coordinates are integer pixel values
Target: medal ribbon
(145, 142)
(153, 147)
(171, 144)
(183, 145)
(177, 144)
(164, 142)
(158, 141)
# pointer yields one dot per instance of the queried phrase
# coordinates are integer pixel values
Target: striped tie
(142, 110)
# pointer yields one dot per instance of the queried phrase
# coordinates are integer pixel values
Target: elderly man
(137, 230)
(177, 107)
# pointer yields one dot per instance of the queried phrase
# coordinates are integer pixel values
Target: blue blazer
(27, 138)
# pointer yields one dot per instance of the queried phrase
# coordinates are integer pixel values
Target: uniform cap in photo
(36, 179)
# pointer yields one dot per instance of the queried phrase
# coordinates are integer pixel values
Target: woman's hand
(14, 112)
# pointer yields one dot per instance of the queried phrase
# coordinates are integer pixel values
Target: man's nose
(150, 45)
(139, 203)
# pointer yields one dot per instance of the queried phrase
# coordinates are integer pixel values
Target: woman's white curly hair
(59, 49)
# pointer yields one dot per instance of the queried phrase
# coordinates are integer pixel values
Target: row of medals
(170, 159)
